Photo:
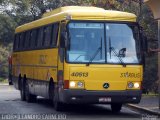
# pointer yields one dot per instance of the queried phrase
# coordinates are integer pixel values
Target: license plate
(105, 99)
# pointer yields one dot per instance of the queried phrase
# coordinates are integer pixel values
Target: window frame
(38, 44)
(99, 21)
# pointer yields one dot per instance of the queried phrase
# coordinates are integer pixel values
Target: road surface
(11, 107)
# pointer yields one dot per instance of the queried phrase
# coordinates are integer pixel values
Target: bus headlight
(72, 84)
(130, 85)
(80, 84)
(76, 84)
(136, 85)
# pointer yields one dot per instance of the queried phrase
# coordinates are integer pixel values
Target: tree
(7, 26)
(3, 64)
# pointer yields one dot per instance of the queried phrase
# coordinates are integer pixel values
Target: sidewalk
(148, 104)
(1, 83)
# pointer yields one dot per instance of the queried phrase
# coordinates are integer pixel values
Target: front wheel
(58, 106)
(116, 107)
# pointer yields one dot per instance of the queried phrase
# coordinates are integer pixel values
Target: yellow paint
(78, 13)
(30, 64)
(100, 74)
(45, 63)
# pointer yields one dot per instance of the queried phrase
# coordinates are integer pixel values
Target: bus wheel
(29, 97)
(116, 107)
(10, 79)
(10, 83)
(51, 91)
(58, 106)
(22, 90)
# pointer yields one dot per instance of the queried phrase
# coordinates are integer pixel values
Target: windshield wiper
(114, 51)
(78, 57)
(94, 55)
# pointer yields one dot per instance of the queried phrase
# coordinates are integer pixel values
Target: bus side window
(36, 37)
(17, 41)
(40, 37)
(33, 38)
(14, 45)
(21, 41)
(30, 40)
(44, 33)
(27, 40)
(24, 38)
(47, 36)
(54, 34)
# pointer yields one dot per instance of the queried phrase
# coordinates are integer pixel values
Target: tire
(10, 79)
(58, 106)
(51, 91)
(22, 90)
(10, 83)
(29, 97)
(116, 107)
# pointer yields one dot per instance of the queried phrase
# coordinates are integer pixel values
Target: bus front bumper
(99, 97)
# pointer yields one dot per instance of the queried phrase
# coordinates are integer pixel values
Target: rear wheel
(29, 97)
(51, 90)
(22, 90)
(10, 79)
(10, 83)
(116, 107)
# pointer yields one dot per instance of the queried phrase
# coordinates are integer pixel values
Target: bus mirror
(63, 39)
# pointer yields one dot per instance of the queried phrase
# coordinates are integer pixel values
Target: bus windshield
(115, 43)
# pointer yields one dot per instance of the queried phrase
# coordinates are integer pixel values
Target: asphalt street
(11, 106)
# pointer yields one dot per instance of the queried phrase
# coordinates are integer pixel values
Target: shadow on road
(10, 103)
(90, 110)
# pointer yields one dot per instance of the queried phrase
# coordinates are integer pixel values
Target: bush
(1, 79)
(3, 62)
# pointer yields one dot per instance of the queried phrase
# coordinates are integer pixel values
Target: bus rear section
(10, 70)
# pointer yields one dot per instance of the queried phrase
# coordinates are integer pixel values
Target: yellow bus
(79, 55)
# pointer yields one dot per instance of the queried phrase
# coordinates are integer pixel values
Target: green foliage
(4, 61)
(7, 26)
(1, 79)
(17, 12)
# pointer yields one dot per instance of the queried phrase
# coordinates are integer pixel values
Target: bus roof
(78, 13)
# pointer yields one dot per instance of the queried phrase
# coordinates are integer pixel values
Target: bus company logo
(130, 75)
(106, 85)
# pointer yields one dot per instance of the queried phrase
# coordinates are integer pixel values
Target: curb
(143, 109)
(4, 84)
